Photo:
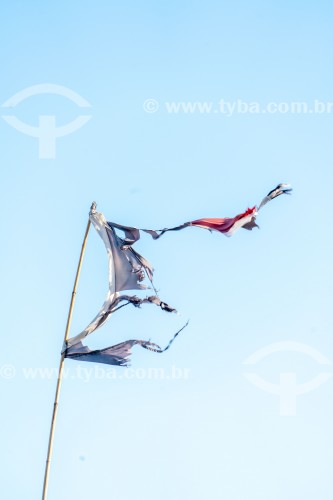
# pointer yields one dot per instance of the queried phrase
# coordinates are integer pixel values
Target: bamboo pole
(61, 366)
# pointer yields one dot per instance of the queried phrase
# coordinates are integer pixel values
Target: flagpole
(61, 366)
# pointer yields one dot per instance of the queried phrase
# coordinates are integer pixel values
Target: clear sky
(210, 434)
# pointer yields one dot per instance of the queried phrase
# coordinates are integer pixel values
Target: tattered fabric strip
(227, 225)
(115, 355)
(156, 348)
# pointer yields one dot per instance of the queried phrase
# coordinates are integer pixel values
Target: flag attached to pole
(129, 271)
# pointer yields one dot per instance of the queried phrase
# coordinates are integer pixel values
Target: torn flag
(128, 270)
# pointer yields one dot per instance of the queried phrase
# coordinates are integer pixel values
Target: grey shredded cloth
(280, 189)
(128, 270)
(130, 267)
(157, 233)
(115, 355)
(136, 302)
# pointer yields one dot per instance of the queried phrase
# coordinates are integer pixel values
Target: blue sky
(211, 434)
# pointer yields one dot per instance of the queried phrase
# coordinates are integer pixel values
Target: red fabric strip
(222, 225)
